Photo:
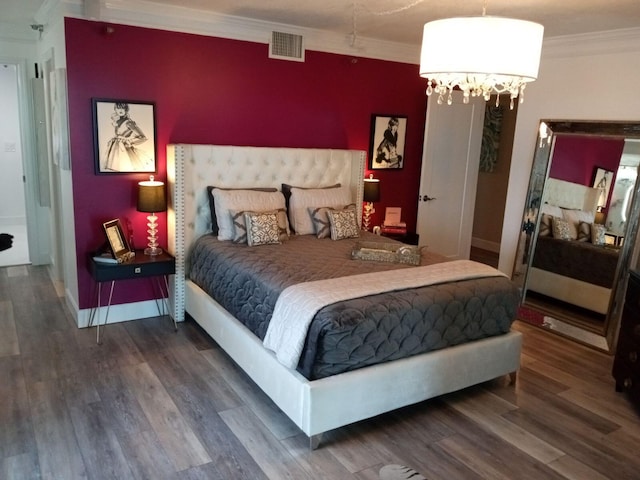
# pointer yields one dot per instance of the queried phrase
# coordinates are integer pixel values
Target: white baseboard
(485, 244)
(121, 313)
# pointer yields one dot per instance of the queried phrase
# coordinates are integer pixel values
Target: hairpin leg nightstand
(157, 267)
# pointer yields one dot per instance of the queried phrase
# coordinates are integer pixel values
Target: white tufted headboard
(191, 168)
(571, 195)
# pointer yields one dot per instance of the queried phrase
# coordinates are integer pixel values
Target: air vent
(286, 46)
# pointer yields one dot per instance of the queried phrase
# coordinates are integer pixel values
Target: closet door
(449, 177)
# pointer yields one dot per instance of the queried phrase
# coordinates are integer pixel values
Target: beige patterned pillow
(343, 223)
(240, 225)
(262, 228)
(320, 219)
(561, 229)
(597, 234)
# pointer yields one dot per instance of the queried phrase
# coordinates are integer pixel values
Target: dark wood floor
(151, 403)
(484, 256)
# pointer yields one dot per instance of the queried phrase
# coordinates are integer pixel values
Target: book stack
(395, 228)
(392, 224)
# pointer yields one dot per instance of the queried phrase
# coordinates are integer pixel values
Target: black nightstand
(409, 237)
(156, 267)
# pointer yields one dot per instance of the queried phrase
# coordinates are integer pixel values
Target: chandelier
(481, 56)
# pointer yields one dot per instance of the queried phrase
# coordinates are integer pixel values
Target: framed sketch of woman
(386, 146)
(124, 136)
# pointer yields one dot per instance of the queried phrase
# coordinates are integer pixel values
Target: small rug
(399, 472)
(531, 316)
(14, 242)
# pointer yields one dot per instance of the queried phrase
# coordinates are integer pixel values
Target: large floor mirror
(579, 227)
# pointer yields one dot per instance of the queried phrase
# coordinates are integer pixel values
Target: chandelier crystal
(481, 56)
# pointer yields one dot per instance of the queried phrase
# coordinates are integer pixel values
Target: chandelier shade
(480, 55)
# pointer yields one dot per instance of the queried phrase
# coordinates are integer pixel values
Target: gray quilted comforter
(352, 334)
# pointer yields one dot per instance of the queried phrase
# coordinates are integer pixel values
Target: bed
(575, 268)
(315, 405)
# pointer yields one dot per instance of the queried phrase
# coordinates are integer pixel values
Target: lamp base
(366, 216)
(152, 246)
(152, 251)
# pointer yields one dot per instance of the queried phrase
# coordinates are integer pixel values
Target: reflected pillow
(561, 229)
(584, 232)
(545, 225)
(597, 234)
(574, 217)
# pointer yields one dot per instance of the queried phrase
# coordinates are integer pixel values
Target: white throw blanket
(297, 305)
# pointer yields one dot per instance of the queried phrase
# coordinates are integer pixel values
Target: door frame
(37, 220)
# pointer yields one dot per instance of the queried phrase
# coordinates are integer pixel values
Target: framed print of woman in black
(386, 149)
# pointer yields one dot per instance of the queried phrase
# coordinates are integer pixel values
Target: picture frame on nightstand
(117, 241)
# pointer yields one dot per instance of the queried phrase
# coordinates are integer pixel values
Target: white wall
(595, 77)
(12, 201)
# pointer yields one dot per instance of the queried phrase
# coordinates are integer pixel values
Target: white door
(450, 160)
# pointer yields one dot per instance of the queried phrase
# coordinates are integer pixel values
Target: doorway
(13, 208)
(459, 189)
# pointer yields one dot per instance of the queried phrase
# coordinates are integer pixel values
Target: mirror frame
(531, 220)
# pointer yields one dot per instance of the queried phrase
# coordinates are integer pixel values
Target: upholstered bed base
(319, 405)
(576, 292)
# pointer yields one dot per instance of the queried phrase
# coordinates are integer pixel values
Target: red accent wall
(575, 158)
(219, 91)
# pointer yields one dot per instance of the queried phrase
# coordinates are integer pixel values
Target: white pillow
(241, 200)
(303, 199)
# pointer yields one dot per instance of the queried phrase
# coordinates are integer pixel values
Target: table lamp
(371, 194)
(152, 199)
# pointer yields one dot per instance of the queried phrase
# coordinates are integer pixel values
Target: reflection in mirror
(625, 180)
(580, 214)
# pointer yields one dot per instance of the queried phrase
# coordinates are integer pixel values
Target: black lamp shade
(371, 190)
(151, 197)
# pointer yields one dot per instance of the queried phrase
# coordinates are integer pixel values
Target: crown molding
(142, 13)
(179, 19)
(597, 43)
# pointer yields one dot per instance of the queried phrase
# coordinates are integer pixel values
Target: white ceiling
(390, 20)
